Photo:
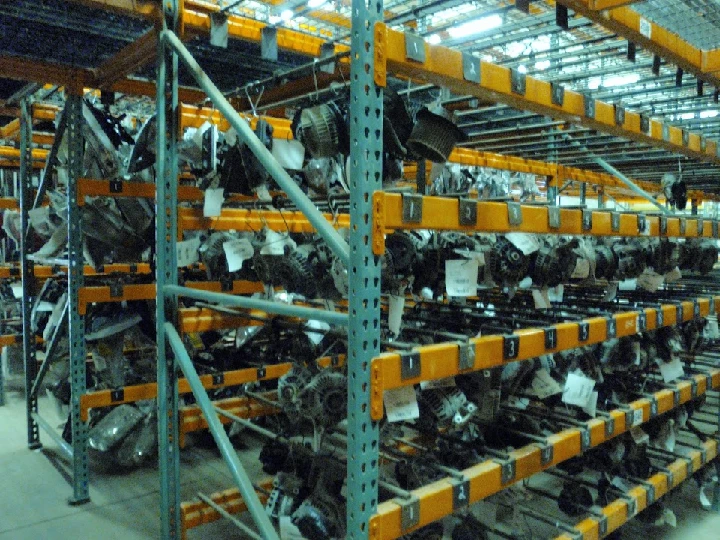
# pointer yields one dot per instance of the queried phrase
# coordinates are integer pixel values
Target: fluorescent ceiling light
(274, 19)
(621, 80)
(687, 116)
(287, 14)
(434, 39)
(709, 114)
(522, 69)
(542, 64)
(315, 3)
(475, 27)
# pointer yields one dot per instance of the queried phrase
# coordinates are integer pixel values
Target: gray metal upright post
(76, 322)
(26, 267)
(166, 274)
(366, 138)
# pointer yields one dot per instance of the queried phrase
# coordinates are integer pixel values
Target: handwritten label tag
(187, 252)
(461, 276)
(543, 385)
(672, 370)
(401, 404)
(237, 252)
(214, 199)
(527, 243)
(395, 312)
(578, 390)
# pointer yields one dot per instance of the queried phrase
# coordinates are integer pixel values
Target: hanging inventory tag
(591, 407)
(541, 299)
(628, 285)
(187, 252)
(317, 337)
(395, 312)
(461, 277)
(555, 294)
(578, 390)
(213, 202)
(611, 292)
(582, 269)
(275, 243)
(527, 243)
(445, 382)
(237, 252)
(673, 275)
(543, 385)
(650, 281)
(672, 370)
(288, 530)
(39, 217)
(401, 404)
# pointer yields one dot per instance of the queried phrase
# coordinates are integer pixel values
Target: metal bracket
(507, 470)
(666, 132)
(700, 227)
(589, 106)
(631, 505)
(466, 356)
(659, 317)
(468, 212)
(711, 305)
(554, 219)
(714, 228)
(610, 328)
(583, 331)
(584, 438)
(133, 268)
(663, 225)
(602, 522)
(515, 216)
(327, 50)
(550, 337)
(685, 137)
(117, 395)
(619, 115)
(696, 309)
(644, 123)
(261, 372)
(641, 223)
(511, 347)
(650, 493)
(414, 47)
(409, 365)
(676, 396)
(557, 93)
(629, 417)
(641, 322)
(116, 186)
(693, 387)
(670, 478)
(461, 493)
(653, 406)
(116, 289)
(409, 512)
(679, 313)
(587, 220)
(690, 464)
(615, 221)
(609, 426)
(14, 271)
(218, 379)
(334, 361)
(683, 225)
(517, 82)
(547, 452)
(412, 208)
(471, 68)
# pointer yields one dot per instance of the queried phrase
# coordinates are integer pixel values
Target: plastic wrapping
(114, 427)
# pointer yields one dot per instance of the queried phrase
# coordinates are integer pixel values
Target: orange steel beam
(9, 152)
(444, 213)
(253, 220)
(628, 23)
(620, 512)
(46, 271)
(443, 360)
(132, 8)
(127, 61)
(435, 500)
(444, 67)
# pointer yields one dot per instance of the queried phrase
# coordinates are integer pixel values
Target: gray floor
(125, 507)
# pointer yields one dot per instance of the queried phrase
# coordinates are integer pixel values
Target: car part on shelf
(434, 135)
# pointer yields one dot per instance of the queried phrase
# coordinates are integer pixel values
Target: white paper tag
(620, 483)
(401, 404)
(712, 329)
(637, 417)
(582, 269)
(672, 370)
(237, 252)
(543, 385)
(540, 298)
(628, 285)
(555, 294)
(288, 530)
(16, 289)
(673, 275)
(669, 517)
(704, 500)
(187, 252)
(639, 436)
(591, 407)
(445, 382)
(274, 243)
(213, 202)
(290, 154)
(650, 281)
(527, 243)
(636, 351)
(520, 403)
(611, 292)
(316, 337)
(395, 312)
(578, 390)
(39, 216)
(645, 28)
(461, 277)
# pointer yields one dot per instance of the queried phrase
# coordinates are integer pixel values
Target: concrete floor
(33, 494)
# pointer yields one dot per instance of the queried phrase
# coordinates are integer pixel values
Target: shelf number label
(637, 417)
